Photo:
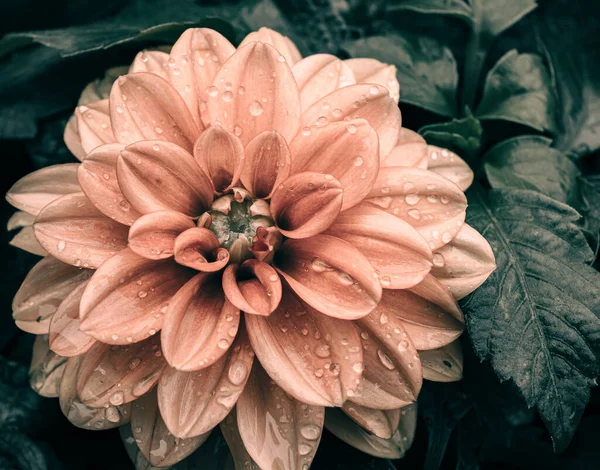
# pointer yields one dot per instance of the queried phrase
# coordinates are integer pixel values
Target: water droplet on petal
(310, 432)
(237, 372)
(385, 360)
(256, 109)
(117, 398)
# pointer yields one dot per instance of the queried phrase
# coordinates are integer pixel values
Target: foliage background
(513, 86)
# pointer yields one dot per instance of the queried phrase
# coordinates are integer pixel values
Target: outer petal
(444, 364)
(381, 423)
(153, 235)
(48, 283)
(254, 92)
(306, 204)
(268, 162)
(220, 154)
(193, 64)
(427, 311)
(46, 369)
(93, 125)
(330, 275)
(399, 254)
(366, 101)
(82, 415)
(65, 336)
(159, 446)
(411, 154)
(25, 240)
(125, 300)
(231, 433)
(110, 375)
(151, 61)
(200, 325)
(162, 176)
(393, 375)
(19, 219)
(347, 150)
(254, 287)
(74, 231)
(198, 248)
(283, 44)
(320, 74)
(351, 433)
(451, 166)
(72, 140)
(193, 403)
(144, 106)
(262, 409)
(465, 263)
(38, 189)
(373, 71)
(315, 358)
(432, 204)
(97, 177)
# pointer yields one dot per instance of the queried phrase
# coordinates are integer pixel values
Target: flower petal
(261, 409)
(82, 415)
(75, 232)
(381, 423)
(254, 287)
(351, 433)
(199, 325)
(411, 154)
(19, 219)
(451, 166)
(268, 162)
(93, 125)
(373, 71)
(151, 61)
(25, 240)
(125, 299)
(46, 369)
(97, 177)
(399, 254)
(347, 150)
(220, 154)
(305, 204)
(65, 336)
(38, 189)
(72, 140)
(444, 364)
(318, 75)
(158, 445)
(366, 101)
(315, 358)
(48, 283)
(283, 44)
(153, 235)
(114, 375)
(231, 433)
(193, 64)
(427, 311)
(144, 106)
(330, 275)
(193, 403)
(432, 204)
(465, 263)
(162, 176)
(198, 248)
(393, 375)
(245, 101)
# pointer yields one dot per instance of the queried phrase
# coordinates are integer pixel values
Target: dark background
(479, 423)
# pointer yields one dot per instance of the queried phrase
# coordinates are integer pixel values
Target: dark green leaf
(456, 8)
(519, 89)
(426, 69)
(528, 162)
(462, 136)
(497, 16)
(536, 318)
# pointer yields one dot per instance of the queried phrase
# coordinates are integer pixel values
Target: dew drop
(212, 91)
(134, 363)
(237, 372)
(385, 281)
(256, 109)
(358, 367)
(322, 351)
(223, 343)
(336, 113)
(304, 449)
(374, 90)
(142, 294)
(319, 373)
(61, 245)
(351, 128)
(446, 237)
(310, 432)
(414, 213)
(385, 360)
(358, 161)
(383, 319)
(237, 130)
(117, 398)
(445, 199)
(155, 147)
(227, 96)
(438, 260)
(412, 199)
(306, 131)
(402, 345)
(322, 121)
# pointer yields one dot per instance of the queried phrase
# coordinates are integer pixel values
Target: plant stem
(476, 54)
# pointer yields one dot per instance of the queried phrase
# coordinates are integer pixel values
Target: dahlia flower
(251, 240)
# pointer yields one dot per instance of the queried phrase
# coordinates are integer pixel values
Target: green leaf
(497, 16)
(462, 136)
(536, 317)
(426, 69)
(455, 8)
(519, 89)
(528, 162)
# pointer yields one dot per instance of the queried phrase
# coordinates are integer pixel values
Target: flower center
(240, 223)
